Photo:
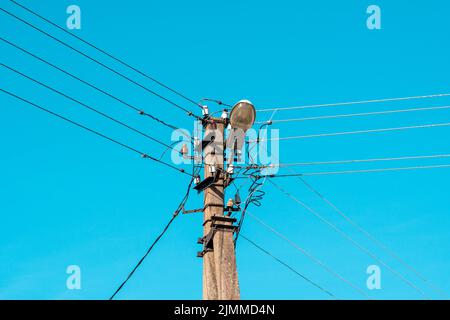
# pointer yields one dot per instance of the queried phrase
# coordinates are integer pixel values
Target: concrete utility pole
(220, 279)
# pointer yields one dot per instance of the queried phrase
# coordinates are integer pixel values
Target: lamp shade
(242, 115)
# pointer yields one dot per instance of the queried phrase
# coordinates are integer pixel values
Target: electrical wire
(317, 163)
(143, 155)
(130, 106)
(325, 173)
(158, 238)
(432, 125)
(308, 255)
(372, 238)
(255, 196)
(189, 113)
(143, 258)
(362, 114)
(349, 238)
(105, 52)
(366, 233)
(355, 102)
(289, 267)
(87, 106)
(219, 102)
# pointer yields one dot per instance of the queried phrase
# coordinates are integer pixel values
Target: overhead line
(308, 255)
(130, 106)
(371, 237)
(87, 106)
(355, 102)
(189, 113)
(289, 267)
(143, 155)
(105, 52)
(325, 173)
(362, 114)
(316, 163)
(158, 238)
(143, 258)
(348, 237)
(366, 233)
(432, 125)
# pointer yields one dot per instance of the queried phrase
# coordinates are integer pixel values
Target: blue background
(68, 197)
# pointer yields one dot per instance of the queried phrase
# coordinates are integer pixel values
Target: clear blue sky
(70, 198)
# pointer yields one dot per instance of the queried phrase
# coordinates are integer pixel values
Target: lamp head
(242, 115)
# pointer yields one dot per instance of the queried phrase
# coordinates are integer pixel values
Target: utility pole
(220, 278)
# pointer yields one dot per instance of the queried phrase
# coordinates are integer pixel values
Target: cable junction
(255, 195)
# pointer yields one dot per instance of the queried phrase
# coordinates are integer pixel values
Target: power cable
(316, 163)
(308, 255)
(372, 238)
(366, 233)
(349, 238)
(438, 166)
(105, 52)
(87, 106)
(176, 213)
(432, 125)
(130, 106)
(361, 114)
(144, 155)
(289, 267)
(189, 113)
(255, 196)
(355, 102)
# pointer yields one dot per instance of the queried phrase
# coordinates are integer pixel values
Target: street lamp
(242, 115)
(242, 118)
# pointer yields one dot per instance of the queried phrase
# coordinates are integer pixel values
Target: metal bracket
(192, 211)
(217, 223)
(208, 181)
(207, 243)
(222, 219)
(202, 253)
